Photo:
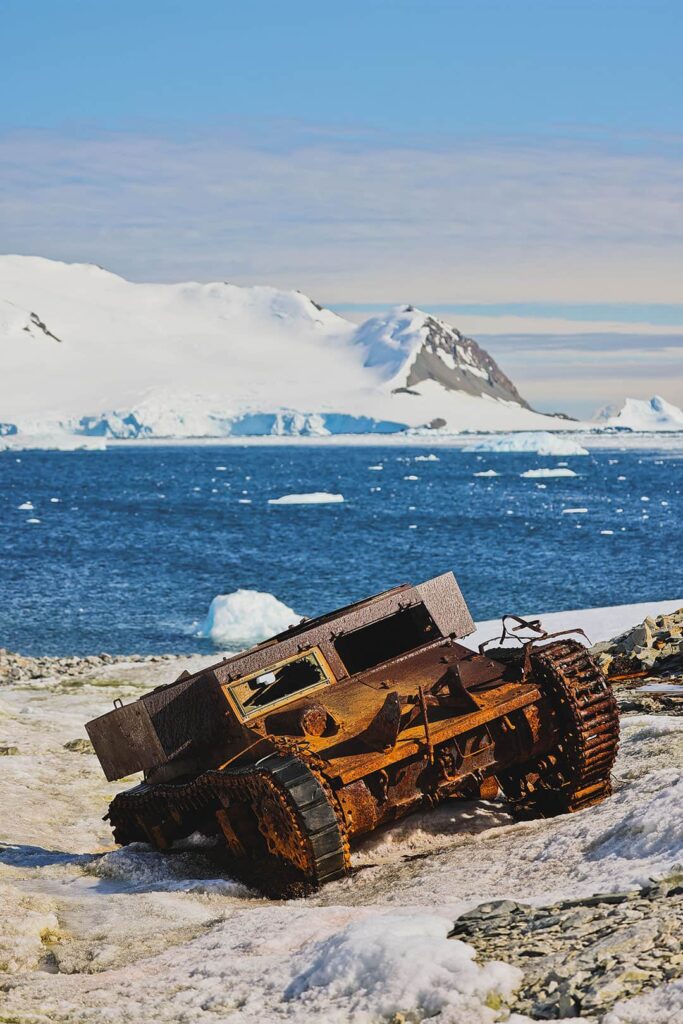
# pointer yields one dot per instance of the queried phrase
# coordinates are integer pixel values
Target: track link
(279, 819)
(578, 772)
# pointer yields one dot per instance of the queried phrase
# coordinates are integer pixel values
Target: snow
(396, 964)
(534, 474)
(94, 933)
(312, 498)
(646, 415)
(597, 623)
(246, 617)
(541, 442)
(186, 360)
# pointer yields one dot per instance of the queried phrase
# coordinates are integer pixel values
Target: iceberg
(245, 617)
(644, 415)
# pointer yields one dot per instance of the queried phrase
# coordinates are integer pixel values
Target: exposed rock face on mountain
(85, 352)
(459, 364)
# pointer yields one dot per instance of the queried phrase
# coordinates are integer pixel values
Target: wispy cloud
(355, 216)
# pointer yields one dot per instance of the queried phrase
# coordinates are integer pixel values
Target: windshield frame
(246, 714)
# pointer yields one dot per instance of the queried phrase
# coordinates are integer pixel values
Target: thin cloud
(355, 216)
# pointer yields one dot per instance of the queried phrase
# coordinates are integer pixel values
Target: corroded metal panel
(125, 741)
(446, 605)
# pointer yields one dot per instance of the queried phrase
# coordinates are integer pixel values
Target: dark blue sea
(139, 540)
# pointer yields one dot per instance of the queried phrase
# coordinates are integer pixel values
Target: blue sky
(516, 165)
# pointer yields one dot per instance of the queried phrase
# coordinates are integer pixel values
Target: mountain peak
(407, 347)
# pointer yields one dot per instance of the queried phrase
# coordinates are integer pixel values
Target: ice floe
(540, 442)
(314, 498)
(487, 472)
(547, 472)
(246, 617)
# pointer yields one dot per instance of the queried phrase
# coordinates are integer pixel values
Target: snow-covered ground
(93, 934)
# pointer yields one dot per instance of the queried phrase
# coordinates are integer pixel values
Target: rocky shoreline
(580, 957)
(142, 669)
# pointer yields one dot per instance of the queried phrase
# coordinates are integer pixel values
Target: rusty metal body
(291, 751)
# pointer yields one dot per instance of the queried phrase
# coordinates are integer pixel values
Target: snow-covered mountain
(87, 352)
(644, 415)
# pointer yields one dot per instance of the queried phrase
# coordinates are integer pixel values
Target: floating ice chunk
(644, 498)
(411, 476)
(427, 458)
(246, 617)
(362, 968)
(33, 520)
(221, 469)
(557, 471)
(376, 468)
(314, 498)
(27, 506)
(573, 511)
(621, 478)
(541, 442)
(607, 533)
(244, 501)
(55, 501)
(487, 472)
(413, 526)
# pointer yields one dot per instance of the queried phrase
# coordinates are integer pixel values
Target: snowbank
(541, 443)
(538, 473)
(314, 498)
(397, 964)
(598, 623)
(246, 617)
(642, 415)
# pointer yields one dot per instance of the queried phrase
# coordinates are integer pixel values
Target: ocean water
(131, 544)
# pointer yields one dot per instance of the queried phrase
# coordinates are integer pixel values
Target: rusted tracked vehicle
(291, 751)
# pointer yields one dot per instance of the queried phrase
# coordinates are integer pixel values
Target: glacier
(88, 354)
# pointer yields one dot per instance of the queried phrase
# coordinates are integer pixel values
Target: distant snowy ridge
(86, 352)
(644, 415)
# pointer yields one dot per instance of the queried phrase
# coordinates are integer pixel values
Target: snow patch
(391, 964)
(246, 617)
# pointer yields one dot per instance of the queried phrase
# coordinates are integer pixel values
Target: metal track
(578, 772)
(291, 806)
